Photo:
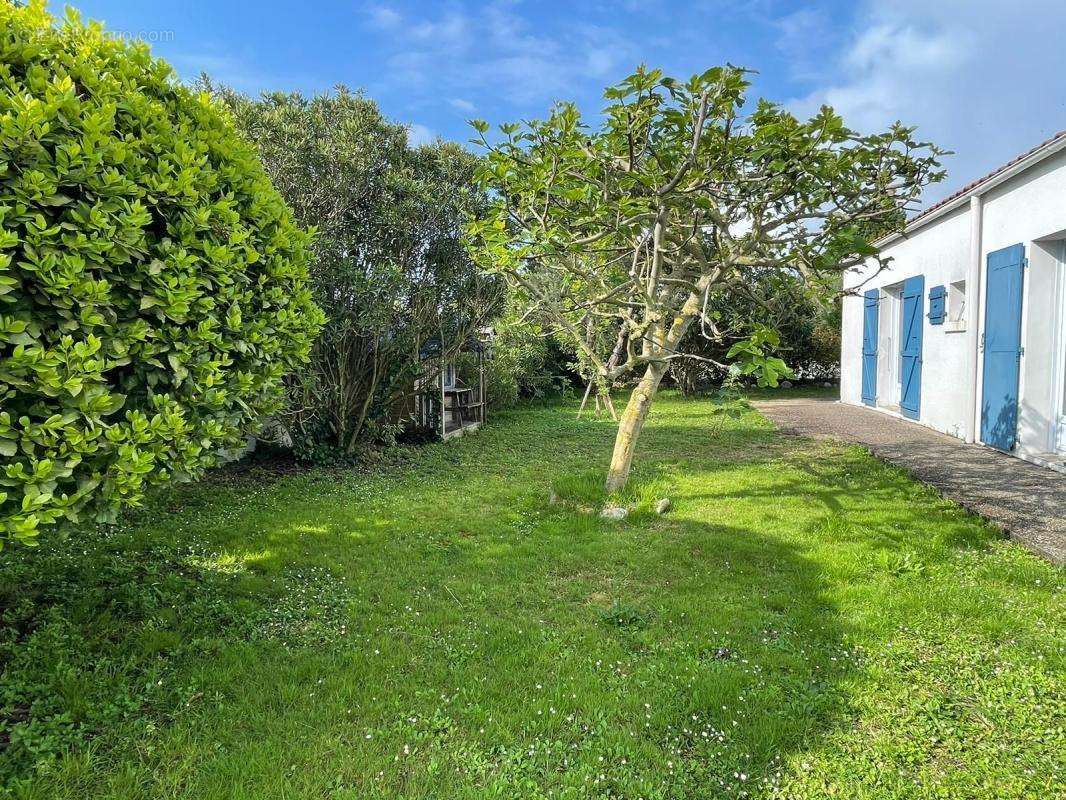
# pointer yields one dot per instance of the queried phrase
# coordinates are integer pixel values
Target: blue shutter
(869, 347)
(911, 347)
(938, 305)
(1002, 343)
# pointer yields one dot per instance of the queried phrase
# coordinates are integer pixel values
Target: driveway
(1027, 501)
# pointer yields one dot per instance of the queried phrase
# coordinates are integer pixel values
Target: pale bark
(585, 399)
(636, 412)
(631, 424)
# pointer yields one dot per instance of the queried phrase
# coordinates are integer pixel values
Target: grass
(805, 622)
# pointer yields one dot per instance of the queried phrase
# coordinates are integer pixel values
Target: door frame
(1058, 406)
(890, 334)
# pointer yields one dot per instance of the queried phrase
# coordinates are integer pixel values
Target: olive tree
(671, 198)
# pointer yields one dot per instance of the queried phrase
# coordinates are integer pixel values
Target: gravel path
(1027, 501)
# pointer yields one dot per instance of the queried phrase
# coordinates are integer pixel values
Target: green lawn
(806, 622)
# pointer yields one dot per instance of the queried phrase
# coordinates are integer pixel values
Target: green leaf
(111, 261)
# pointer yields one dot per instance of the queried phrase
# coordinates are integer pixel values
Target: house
(965, 332)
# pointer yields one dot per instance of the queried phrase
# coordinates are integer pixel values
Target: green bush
(805, 318)
(152, 282)
(388, 264)
(527, 362)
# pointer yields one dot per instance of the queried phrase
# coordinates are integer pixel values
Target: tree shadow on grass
(677, 661)
(680, 657)
(683, 660)
(862, 499)
(727, 657)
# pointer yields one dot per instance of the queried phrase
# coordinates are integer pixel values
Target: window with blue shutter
(938, 305)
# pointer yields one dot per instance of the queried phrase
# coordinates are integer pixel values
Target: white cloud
(450, 32)
(803, 36)
(892, 65)
(462, 105)
(981, 77)
(383, 17)
(463, 50)
(419, 134)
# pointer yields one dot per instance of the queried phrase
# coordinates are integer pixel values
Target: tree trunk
(631, 424)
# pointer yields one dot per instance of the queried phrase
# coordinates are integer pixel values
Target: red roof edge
(976, 184)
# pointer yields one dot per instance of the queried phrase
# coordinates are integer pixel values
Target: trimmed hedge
(152, 282)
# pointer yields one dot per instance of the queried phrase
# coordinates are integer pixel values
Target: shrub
(152, 282)
(806, 319)
(388, 264)
(527, 362)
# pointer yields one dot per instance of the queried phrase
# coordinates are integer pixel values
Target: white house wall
(1036, 397)
(1030, 209)
(941, 253)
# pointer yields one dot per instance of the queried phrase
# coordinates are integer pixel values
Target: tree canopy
(388, 265)
(676, 194)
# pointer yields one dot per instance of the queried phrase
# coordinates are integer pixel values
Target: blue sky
(976, 76)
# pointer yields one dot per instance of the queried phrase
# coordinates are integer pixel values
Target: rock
(827, 384)
(663, 506)
(786, 384)
(614, 512)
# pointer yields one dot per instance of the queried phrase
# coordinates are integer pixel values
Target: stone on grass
(786, 384)
(614, 512)
(663, 506)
